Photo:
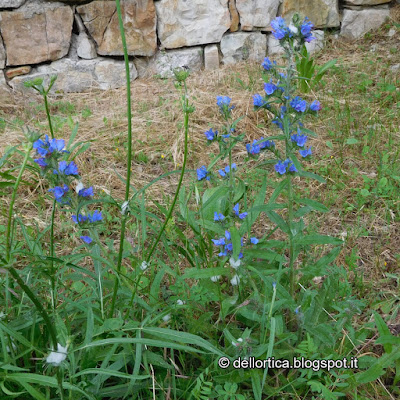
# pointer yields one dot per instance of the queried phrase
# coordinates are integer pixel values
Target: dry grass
(158, 134)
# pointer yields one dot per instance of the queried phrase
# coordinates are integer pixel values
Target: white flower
(293, 29)
(144, 266)
(55, 358)
(234, 264)
(180, 302)
(215, 278)
(79, 187)
(125, 207)
(240, 340)
(166, 318)
(235, 280)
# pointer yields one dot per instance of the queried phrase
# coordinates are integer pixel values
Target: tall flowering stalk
(288, 110)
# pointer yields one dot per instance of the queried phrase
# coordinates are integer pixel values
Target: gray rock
(183, 23)
(167, 61)
(211, 57)
(5, 91)
(240, 46)
(11, 3)
(356, 24)
(257, 13)
(110, 74)
(78, 76)
(395, 68)
(86, 48)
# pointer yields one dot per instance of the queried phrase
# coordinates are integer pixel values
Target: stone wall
(79, 40)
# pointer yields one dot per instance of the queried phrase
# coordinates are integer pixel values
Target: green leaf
(352, 141)
(318, 239)
(314, 204)
(329, 144)
(236, 242)
(311, 175)
(383, 330)
(195, 273)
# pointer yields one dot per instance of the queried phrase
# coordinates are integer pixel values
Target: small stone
(391, 32)
(241, 46)
(395, 68)
(86, 49)
(211, 57)
(12, 72)
(316, 44)
(110, 74)
(356, 24)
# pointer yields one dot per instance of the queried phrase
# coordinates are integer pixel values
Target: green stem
(46, 104)
(171, 209)
(129, 158)
(291, 242)
(37, 304)
(13, 196)
(53, 283)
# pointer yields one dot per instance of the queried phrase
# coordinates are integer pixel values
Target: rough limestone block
(167, 61)
(322, 13)
(241, 46)
(37, 32)
(356, 24)
(191, 22)
(2, 54)
(211, 57)
(255, 14)
(139, 17)
(78, 76)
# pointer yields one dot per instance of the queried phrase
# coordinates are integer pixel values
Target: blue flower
(254, 240)
(225, 171)
(210, 135)
(305, 152)
(86, 192)
(299, 139)
(80, 218)
(277, 121)
(280, 167)
(298, 104)
(67, 169)
(292, 168)
(315, 105)
(269, 88)
(236, 211)
(218, 216)
(87, 239)
(280, 29)
(223, 102)
(46, 146)
(202, 173)
(41, 162)
(95, 217)
(59, 192)
(219, 242)
(305, 30)
(222, 254)
(253, 148)
(229, 247)
(266, 143)
(267, 64)
(227, 235)
(258, 101)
